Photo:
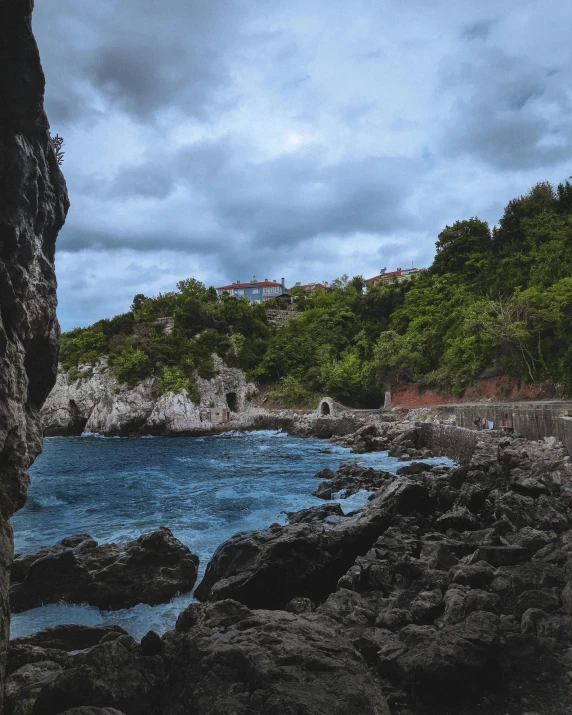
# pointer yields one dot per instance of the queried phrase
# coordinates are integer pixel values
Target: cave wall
(33, 207)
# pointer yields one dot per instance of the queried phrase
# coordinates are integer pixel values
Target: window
(240, 291)
(255, 290)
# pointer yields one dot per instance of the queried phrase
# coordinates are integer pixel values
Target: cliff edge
(33, 207)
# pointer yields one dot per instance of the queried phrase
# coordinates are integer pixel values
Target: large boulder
(150, 569)
(244, 662)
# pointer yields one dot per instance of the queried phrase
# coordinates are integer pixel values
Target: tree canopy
(494, 301)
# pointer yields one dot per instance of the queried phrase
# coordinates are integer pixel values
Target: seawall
(533, 421)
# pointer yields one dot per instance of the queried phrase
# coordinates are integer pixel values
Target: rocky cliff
(33, 206)
(98, 403)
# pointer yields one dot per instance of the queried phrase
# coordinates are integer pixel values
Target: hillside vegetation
(493, 302)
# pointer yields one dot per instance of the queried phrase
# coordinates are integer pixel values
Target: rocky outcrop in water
(98, 403)
(151, 569)
(33, 206)
(222, 658)
(457, 575)
(450, 592)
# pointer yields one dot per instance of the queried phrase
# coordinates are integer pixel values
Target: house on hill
(308, 288)
(254, 291)
(401, 274)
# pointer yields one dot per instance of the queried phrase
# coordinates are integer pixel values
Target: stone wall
(451, 441)
(533, 421)
(33, 206)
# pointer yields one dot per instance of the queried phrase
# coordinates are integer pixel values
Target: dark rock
(413, 468)
(502, 555)
(67, 637)
(350, 479)
(269, 662)
(151, 569)
(151, 644)
(314, 514)
(114, 674)
(427, 607)
(33, 208)
(371, 641)
(451, 657)
(300, 605)
(461, 601)
(266, 569)
(460, 519)
(25, 684)
(477, 575)
(92, 711)
(543, 599)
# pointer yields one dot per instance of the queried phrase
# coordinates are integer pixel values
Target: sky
(223, 139)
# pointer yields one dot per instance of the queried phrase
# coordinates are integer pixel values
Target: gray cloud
(507, 117)
(226, 138)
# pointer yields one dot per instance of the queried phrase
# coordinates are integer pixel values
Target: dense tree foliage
(494, 302)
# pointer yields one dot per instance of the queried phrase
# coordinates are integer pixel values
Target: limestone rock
(98, 403)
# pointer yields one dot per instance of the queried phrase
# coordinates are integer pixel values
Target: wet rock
(314, 514)
(266, 569)
(67, 637)
(151, 569)
(350, 479)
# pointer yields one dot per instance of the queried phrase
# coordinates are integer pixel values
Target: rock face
(98, 403)
(33, 207)
(222, 658)
(151, 569)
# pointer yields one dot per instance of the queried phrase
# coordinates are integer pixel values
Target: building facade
(254, 291)
(401, 274)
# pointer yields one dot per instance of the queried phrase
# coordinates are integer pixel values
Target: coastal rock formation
(451, 591)
(98, 403)
(151, 569)
(221, 658)
(458, 574)
(33, 208)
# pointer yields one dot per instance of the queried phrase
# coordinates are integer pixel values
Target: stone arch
(326, 407)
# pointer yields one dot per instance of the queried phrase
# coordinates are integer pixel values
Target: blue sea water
(205, 489)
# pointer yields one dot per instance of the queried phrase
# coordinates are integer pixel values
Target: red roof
(260, 284)
(311, 286)
(392, 274)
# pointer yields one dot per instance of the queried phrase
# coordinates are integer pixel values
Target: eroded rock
(150, 569)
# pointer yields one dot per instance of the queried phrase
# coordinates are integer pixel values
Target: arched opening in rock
(77, 421)
(231, 401)
(325, 408)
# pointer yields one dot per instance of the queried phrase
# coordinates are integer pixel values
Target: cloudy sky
(304, 139)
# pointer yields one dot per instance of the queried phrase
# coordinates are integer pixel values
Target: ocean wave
(44, 503)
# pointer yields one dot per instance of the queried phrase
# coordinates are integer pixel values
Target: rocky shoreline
(450, 592)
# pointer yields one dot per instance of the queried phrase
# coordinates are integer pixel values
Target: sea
(205, 489)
